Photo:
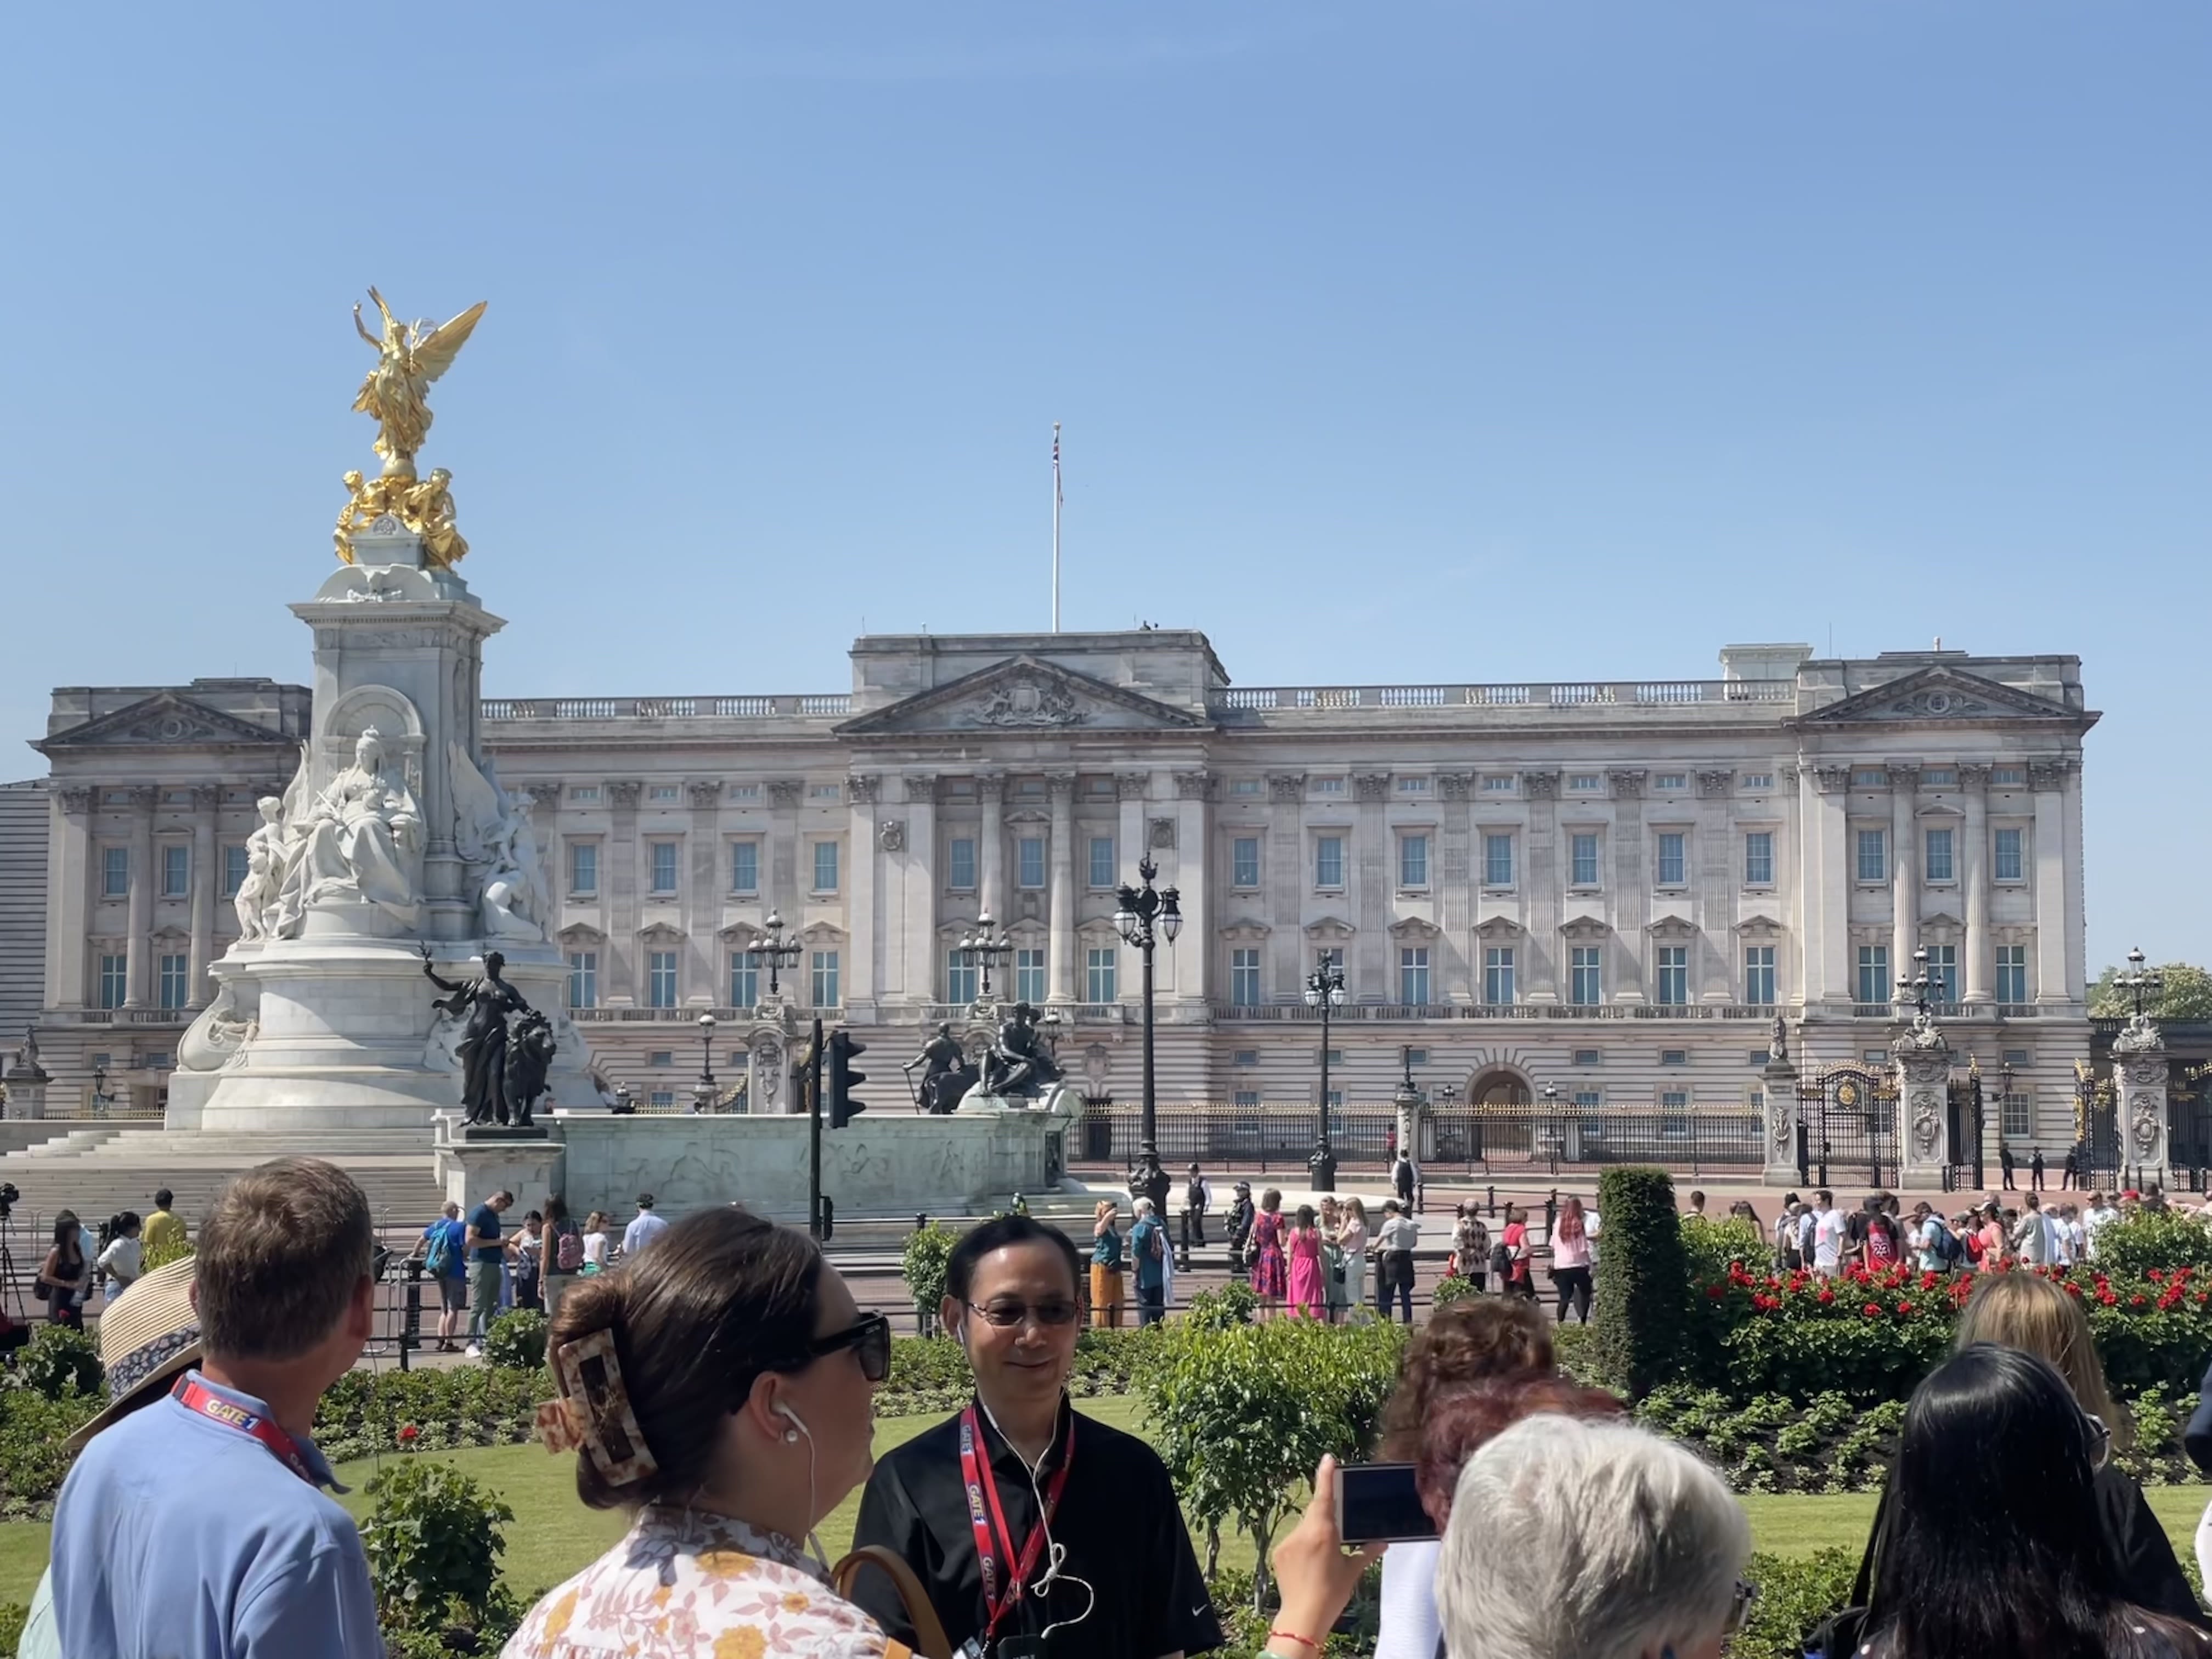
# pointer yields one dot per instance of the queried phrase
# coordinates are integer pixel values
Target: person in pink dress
(1270, 1277)
(1309, 1293)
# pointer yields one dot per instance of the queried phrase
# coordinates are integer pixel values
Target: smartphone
(1376, 1502)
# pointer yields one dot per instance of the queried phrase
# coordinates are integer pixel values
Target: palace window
(744, 867)
(1244, 861)
(1245, 1057)
(960, 981)
(176, 871)
(1329, 862)
(661, 1099)
(1869, 777)
(1874, 974)
(1413, 975)
(1755, 781)
(664, 866)
(1244, 786)
(1944, 969)
(1589, 1057)
(115, 871)
(1586, 783)
(1758, 976)
(1674, 864)
(1099, 974)
(234, 870)
(1873, 859)
(661, 979)
(2008, 775)
(114, 977)
(663, 792)
(1244, 976)
(1939, 855)
(1671, 781)
(1496, 861)
(1497, 974)
(1412, 860)
(1029, 977)
(825, 966)
(1582, 849)
(2016, 1115)
(1029, 861)
(744, 980)
(1675, 1112)
(584, 794)
(1412, 786)
(1940, 777)
(583, 978)
(825, 878)
(1102, 860)
(2012, 972)
(583, 867)
(1585, 987)
(1759, 858)
(1674, 975)
(176, 980)
(1245, 1097)
(2011, 867)
(960, 864)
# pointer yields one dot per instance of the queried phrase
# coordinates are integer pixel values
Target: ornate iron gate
(1849, 1114)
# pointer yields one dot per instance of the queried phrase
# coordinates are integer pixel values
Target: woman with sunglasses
(720, 1388)
(1991, 1542)
(1076, 1546)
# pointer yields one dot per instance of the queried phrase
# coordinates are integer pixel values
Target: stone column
(990, 876)
(1779, 1080)
(1791, 973)
(1922, 1058)
(1373, 884)
(1546, 886)
(1192, 957)
(2077, 921)
(709, 878)
(1059, 945)
(1131, 788)
(863, 908)
(1980, 969)
(1823, 793)
(1631, 889)
(69, 896)
(207, 880)
(1715, 902)
(622, 984)
(1904, 869)
(784, 891)
(2047, 780)
(2139, 1073)
(1454, 886)
(910, 954)
(137, 993)
(1288, 956)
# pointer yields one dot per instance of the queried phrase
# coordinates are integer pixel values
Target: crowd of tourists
(1818, 1237)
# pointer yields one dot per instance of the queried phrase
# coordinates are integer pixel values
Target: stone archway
(1501, 1085)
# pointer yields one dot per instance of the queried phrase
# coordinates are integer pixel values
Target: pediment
(1586, 927)
(660, 933)
(1758, 924)
(1942, 922)
(1244, 929)
(1941, 696)
(166, 720)
(1498, 925)
(1414, 928)
(1023, 693)
(580, 936)
(1669, 924)
(1330, 927)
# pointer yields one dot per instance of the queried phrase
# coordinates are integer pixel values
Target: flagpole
(1055, 526)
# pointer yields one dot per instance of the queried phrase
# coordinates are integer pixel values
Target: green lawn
(553, 1534)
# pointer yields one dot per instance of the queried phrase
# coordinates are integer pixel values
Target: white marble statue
(360, 838)
(267, 858)
(493, 829)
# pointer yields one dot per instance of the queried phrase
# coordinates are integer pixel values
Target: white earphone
(798, 1426)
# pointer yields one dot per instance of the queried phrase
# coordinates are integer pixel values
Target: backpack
(1156, 1246)
(440, 1261)
(569, 1249)
(1501, 1259)
(1948, 1250)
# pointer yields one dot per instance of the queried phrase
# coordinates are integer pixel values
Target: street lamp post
(1324, 990)
(2144, 985)
(1554, 1133)
(1915, 989)
(982, 949)
(775, 950)
(1145, 915)
(703, 1091)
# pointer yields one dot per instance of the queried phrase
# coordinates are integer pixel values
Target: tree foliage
(928, 1252)
(2187, 996)
(434, 1545)
(1642, 1316)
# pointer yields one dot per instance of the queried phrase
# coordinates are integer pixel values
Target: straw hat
(146, 1337)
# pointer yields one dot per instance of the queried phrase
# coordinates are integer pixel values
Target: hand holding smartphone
(1377, 1502)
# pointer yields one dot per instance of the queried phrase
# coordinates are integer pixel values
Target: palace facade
(1612, 888)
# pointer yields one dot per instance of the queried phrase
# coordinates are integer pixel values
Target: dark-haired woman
(66, 1273)
(720, 1388)
(1992, 1542)
(1082, 1515)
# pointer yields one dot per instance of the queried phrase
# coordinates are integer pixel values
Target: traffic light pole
(814, 1138)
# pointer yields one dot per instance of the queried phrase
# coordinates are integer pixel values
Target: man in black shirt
(1119, 1577)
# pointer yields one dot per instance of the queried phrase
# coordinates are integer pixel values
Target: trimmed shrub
(1642, 1325)
(59, 1362)
(1449, 1289)
(2165, 1239)
(1232, 1306)
(928, 1250)
(1795, 1595)
(516, 1341)
(434, 1545)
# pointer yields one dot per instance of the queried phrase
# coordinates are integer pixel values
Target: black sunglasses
(1007, 1314)
(869, 1337)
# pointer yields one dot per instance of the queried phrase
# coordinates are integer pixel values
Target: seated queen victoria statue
(360, 840)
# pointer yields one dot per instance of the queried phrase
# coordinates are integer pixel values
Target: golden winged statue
(408, 357)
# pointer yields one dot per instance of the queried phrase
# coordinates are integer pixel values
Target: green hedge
(1641, 1324)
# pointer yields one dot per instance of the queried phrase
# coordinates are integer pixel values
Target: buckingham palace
(1606, 889)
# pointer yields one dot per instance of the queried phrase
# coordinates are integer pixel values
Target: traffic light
(841, 1080)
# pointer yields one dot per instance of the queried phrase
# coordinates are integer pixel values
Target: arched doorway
(1499, 1086)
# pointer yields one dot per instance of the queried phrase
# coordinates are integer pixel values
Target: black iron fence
(1471, 1139)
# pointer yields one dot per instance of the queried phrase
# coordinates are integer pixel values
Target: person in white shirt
(644, 1227)
(125, 1258)
(1828, 1230)
(2102, 1214)
(597, 1245)
(1927, 1238)
(2032, 1240)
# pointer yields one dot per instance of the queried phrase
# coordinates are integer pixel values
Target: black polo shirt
(1118, 1520)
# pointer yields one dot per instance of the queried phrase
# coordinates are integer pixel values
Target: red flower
(1905, 1307)
(1872, 1310)
(409, 1434)
(1716, 1291)
(2074, 1291)
(1826, 1298)
(2138, 1300)
(2154, 1275)
(1928, 1281)
(2108, 1298)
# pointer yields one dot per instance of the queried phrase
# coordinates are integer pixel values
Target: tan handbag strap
(929, 1638)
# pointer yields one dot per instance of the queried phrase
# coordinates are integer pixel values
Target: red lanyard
(991, 1531)
(200, 1400)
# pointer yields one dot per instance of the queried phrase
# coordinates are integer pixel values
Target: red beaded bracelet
(1306, 1641)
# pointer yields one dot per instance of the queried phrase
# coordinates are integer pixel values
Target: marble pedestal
(472, 1166)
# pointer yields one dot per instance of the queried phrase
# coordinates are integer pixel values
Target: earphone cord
(1055, 1554)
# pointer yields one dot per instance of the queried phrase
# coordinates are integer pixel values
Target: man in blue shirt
(644, 1227)
(196, 1528)
(446, 1259)
(486, 1256)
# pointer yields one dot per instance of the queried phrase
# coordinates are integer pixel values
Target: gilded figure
(396, 393)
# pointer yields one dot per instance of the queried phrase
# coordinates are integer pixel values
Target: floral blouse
(686, 1585)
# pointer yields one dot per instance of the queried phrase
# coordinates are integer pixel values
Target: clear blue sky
(1482, 341)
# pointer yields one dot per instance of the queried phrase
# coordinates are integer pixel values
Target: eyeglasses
(1007, 1314)
(2100, 1440)
(869, 1337)
(1740, 1610)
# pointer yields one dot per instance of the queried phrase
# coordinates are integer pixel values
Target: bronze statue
(529, 1057)
(948, 1077)
(486, 1002)
(1019, 1062)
